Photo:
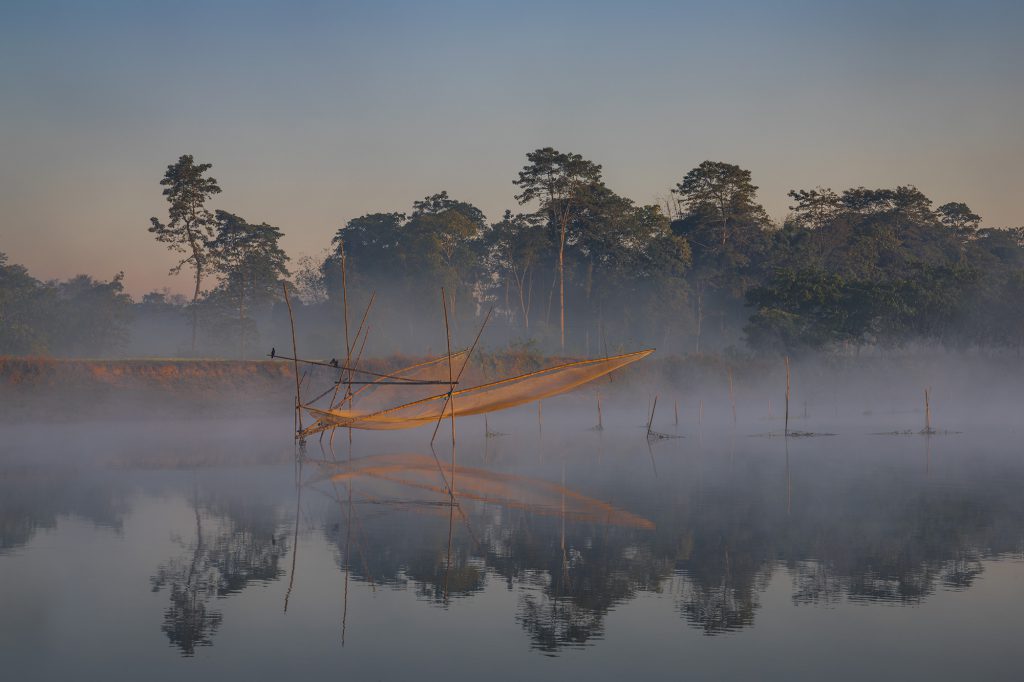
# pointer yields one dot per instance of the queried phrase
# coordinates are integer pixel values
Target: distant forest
(574, 269)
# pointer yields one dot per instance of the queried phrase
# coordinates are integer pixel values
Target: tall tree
(251, 262)
(725, 227)
(814, 208)
(190, 224)
(958, 216)
(556, 181)
(723, 193)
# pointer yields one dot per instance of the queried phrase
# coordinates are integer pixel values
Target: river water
(201, 550)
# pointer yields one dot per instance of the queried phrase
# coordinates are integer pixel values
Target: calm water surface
(198, 550)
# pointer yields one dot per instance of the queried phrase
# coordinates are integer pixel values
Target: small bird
(273, 352)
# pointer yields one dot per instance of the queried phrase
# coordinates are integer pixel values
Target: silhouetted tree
(556, 180)
(190, 224)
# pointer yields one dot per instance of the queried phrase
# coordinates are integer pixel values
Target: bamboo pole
(677, 412)
(650, 420)
(600, 421)
(927, 411)
(451, 387)
(700, 414)
(295, 355)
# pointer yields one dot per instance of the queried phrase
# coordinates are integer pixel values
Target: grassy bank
(61, 389)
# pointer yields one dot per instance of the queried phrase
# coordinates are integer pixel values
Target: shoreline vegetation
(577, 270)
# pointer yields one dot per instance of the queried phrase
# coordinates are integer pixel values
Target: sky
(315, 113)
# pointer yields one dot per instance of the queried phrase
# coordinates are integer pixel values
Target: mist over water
(170, 549)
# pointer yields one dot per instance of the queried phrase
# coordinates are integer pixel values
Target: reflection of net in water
(521, 492)
(490, 397)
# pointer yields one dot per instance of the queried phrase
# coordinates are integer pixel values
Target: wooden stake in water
(700, 414)
(677, 412)
(927, 411)
(650, 421)
(295, 356)
(540, 417)
(600, 421)
(786, 431)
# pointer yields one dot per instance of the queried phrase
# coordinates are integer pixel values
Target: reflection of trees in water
(567, 593)
(554, 623)
(575, 580)
(234, 544)
(34, 499)
(718, 608)
(382, 547)
(848, 535)
(817, 582)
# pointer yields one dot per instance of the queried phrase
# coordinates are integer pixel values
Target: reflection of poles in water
(927, 454)
(295, 540)
(789, 482)
(700, 424)
(448, 557)
(348, 565)
(565, 555)
(732, 398)
(650, 451)
(786, 431)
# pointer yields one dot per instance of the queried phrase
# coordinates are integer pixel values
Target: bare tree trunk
(195, 300)
(561, 283)
(241, 320)
(551, 295)
(523, 300)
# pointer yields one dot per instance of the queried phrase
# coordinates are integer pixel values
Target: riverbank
(52, 389)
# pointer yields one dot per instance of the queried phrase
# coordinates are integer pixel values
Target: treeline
(577, 269)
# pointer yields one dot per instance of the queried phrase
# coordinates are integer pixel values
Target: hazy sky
(314, 113)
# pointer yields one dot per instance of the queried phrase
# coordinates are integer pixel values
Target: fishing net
(497, 395)
(508, 490)
(379, 395)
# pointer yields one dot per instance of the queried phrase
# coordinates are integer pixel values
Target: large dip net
(490, 397)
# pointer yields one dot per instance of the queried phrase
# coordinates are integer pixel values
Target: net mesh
(497, 395)
(379, 396)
